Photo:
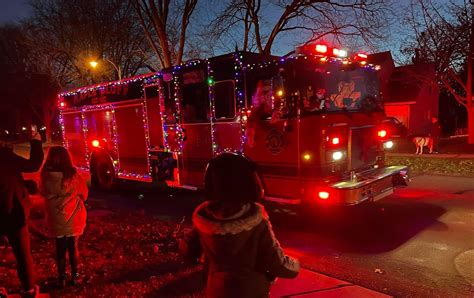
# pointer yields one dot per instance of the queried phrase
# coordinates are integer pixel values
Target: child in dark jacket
(233, 233)
(65, 192)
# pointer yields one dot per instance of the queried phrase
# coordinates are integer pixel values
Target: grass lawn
(122, 254)
(442, 163)
(453, 145)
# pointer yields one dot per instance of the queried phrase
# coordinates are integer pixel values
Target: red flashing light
(320, 48)
(335, 141)
(62, 104)
(382, 133)
(363, 56)
(95, 143)
(323, 195)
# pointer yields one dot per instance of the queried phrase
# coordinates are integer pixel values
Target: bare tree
(440, 34)
(365, 19)
(29, 87)
(165, 24)
(72, 33)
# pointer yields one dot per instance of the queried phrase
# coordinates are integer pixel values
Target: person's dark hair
(232, 178)
(58, 160)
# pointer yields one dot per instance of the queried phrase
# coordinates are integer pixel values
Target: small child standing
(64, 191)
(233, 234)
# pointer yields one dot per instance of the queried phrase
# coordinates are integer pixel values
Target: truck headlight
(388, 145)
(337, 155)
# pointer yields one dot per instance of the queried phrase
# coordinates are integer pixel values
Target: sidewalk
(433, 155)
(310, 284)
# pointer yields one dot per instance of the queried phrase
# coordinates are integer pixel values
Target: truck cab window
(268, 94)
(224, 100)
(151, 91)
(195, 98)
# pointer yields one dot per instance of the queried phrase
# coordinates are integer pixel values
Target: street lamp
(94, 64)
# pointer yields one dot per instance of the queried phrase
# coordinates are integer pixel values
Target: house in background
(410, 92)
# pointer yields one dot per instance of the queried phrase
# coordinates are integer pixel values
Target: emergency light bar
(326, 51)
(320, 48)
(339, 53)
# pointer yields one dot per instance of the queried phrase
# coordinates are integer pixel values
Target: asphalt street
(417, 242)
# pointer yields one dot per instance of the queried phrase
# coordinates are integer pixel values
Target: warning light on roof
(320, 48)
(339, 53)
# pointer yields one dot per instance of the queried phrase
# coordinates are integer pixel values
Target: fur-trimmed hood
(209, 221)
(225, 230)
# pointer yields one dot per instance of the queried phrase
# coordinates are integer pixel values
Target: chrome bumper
(371, 185)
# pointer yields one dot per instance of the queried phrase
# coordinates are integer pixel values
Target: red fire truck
(312, 121)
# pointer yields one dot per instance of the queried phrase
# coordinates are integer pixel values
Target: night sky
(12, 11)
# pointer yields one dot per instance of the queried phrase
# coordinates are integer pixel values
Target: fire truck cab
(312, 121)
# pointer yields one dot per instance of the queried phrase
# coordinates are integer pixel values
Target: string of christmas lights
(115, 142)
(239, 95)
(163, 117)
(177, 115)
(212, 106)
(84, 135)
(147, 135)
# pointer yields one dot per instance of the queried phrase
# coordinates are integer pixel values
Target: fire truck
(311, 120)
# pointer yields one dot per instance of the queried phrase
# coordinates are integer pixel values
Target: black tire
(103, 173)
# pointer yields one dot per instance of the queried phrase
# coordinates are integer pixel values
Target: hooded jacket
(64, 202)
(12, 188)
(240, 250)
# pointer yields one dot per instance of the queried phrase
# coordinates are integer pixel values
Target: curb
(313, 284)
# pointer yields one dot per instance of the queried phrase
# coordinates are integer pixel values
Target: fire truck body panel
(188, 114)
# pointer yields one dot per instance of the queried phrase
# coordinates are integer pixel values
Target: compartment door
(132, 141)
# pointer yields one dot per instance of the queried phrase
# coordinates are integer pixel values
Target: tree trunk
(470, 124)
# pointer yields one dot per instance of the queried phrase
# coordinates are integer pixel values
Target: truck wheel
(103, 174)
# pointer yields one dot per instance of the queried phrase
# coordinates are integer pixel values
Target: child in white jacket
(64, 191)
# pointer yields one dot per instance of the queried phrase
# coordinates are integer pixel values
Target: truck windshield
(331, 87)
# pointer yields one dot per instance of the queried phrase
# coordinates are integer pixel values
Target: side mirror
(31, 187)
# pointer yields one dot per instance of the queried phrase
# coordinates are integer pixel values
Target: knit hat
(231, 177)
